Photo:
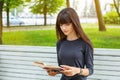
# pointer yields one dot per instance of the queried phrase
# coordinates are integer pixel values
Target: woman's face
(67, 29)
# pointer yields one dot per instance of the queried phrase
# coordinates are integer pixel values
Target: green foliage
(12, 3)
(52, 6)
(27, 0)
(1, 0)
(111, 18)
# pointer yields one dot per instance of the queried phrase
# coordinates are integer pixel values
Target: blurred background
(32, 22)
(30, 12)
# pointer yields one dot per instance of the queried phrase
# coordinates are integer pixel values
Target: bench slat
(27, 48)
(107, 58)
(33, 54)
(14, 76)
(32, 59)
(107, 63)
(104, 77)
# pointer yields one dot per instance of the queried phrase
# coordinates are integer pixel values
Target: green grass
(108, 39)
(36, 37)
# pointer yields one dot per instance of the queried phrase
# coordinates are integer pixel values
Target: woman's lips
(65, 31)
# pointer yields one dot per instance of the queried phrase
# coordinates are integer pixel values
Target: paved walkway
(28, 28)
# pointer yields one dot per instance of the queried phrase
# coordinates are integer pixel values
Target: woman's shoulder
(84, 43)
(58, 44)
(86, 47)
(60, 41)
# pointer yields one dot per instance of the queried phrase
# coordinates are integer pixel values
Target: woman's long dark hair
(69, 15)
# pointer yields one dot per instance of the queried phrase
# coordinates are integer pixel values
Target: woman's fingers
(68, 70)
(65, 67)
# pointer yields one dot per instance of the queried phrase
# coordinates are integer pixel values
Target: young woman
(74, 49)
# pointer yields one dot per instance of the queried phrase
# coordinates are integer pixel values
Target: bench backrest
(16, 62)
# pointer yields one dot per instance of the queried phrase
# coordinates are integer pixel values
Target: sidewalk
(27, 28)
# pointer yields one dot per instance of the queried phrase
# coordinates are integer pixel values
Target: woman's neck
(72, 37)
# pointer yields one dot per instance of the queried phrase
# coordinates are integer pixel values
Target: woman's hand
(69, 71)
(51, 72)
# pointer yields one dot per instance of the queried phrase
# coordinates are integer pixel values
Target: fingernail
(61, 65)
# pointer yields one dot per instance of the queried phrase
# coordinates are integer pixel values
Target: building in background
(86, 8)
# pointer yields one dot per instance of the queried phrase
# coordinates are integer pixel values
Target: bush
(111, 18)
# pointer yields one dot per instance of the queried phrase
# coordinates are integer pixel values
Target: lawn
(108, 39)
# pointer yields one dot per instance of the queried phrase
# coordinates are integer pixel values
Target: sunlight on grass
(43, 37)
(108, 39)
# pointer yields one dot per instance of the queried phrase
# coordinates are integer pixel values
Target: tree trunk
(1, 7)
(7, 10)
(67, 3)
(45, 20)
(8, 23)
(45, 13)
(99, 16)
(116, 7)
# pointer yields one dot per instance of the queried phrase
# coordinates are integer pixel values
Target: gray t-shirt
(75, 53)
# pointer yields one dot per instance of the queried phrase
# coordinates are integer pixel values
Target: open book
(45, 66)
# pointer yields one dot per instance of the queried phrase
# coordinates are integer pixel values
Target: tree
(99, 15)
(117, 6)
(9, 4)
(67, 3)
(46, 7)
(1, 8)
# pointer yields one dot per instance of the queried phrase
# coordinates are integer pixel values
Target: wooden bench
(16, 63)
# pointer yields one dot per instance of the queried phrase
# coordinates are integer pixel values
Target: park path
(29, 28)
